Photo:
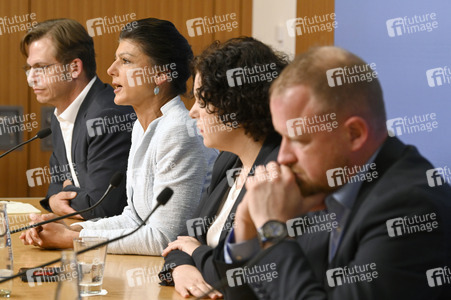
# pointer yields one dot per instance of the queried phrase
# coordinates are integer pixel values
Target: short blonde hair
(362, 98)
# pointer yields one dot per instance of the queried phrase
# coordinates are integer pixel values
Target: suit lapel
(390, 151)
(231, 217)
(59, 148)
(316, 248)
(271, 143)
(220, 190)
(80, 128)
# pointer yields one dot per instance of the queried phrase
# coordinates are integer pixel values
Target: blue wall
(402, 61)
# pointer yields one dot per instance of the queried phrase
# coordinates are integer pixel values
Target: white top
(67, 120)
(162, 156)
(214, 232)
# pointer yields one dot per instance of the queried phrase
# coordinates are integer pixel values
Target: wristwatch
(271, 231)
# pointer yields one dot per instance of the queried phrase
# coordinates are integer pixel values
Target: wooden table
(126, 276)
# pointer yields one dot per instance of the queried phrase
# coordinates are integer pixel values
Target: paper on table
(14, 207)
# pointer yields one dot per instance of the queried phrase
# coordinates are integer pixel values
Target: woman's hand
(50, 236)
(186, 244)
(189, 281)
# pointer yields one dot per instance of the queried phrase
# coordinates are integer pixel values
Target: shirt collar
(347, 194)
(171, 103)
(70, 113)
(165, 109)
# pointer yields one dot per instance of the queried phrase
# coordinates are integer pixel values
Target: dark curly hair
(248, 100)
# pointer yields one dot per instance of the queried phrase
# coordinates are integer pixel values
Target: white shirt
(67, 120)
(214, 232)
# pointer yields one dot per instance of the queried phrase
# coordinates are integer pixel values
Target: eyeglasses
(38, 69)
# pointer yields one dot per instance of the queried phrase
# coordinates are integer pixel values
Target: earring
(156, 90)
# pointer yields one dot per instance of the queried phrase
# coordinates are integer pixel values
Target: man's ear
(357, 130)
(76, 67)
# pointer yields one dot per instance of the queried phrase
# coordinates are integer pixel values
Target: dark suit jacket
(401, 189)
(208, 207)
(97, 154)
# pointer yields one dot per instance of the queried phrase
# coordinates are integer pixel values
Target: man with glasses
(91, 135)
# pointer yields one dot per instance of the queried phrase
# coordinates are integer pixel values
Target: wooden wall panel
(16, 92)
(240, 8)
(14, 89)
(310, 9)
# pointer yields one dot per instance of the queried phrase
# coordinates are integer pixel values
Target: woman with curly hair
(231, 84)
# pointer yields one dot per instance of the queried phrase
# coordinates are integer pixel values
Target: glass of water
(91, 264)
(6, 253)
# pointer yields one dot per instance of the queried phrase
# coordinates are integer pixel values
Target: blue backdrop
(405, 39)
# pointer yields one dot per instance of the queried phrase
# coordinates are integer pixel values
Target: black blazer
(208, 207)
(401, 189)
(97, 154)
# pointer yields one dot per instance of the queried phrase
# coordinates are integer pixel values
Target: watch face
(274, 229)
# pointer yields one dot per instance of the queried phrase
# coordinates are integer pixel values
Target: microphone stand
(115, 181)
(41, 134)
(162, 199)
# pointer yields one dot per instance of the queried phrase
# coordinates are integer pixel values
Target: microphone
(114, 182)
(43, 133)
(223, 281)
(162, 199)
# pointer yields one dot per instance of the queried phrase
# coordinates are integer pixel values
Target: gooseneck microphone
(162, 199)
(43, 133)
(114, 182)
